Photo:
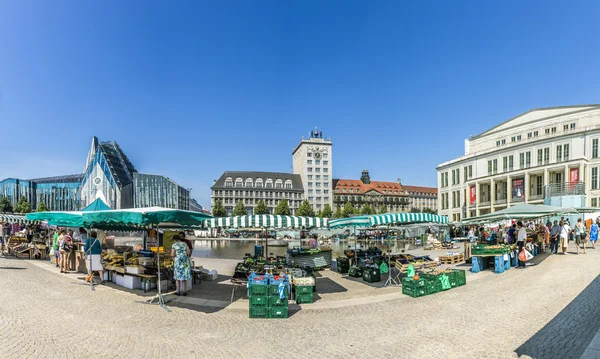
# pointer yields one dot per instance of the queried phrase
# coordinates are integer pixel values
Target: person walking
(93, 250)
(511, 234)
(580, 235)
(521, 238)
(594, 234)
(471, 235)
(565, 231)
(55, 242)
(554, 237)
(65, 248)
(181, 265)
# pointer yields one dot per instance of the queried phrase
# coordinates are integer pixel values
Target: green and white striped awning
(15, 218)
(357, 221)
(392, 218)
(266, 221)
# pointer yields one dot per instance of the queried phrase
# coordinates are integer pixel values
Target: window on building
(498, 143)
(559, 153)
(269, 183)
(566, 127)
(511, 162)
(595, 148)
(594, 202)
(318, 184)
(309, 154)
(458, 176)
(325, 155)
(326, 170)
(470, 171)
(326, 191)
(513, 138)
(489, 167)
(453, 177)
(310, 177)
(310, 184)
(546, 155)
(317, 162)
(495, 166)
(522, 160)
(535, 133)
(288, 185)
(465, 174)
(553, 130)
(528, 159)
(310, 191)
(229, 183)
(540, 159)
(547, 131)
(317, 170)
(325, 177)
(309, 169)
(504, 141)
(594, 177)
(343, 190)
(530, 135)
(572, 126)
(278, 185)
(566, 152)
(325, 163)
(504, 164)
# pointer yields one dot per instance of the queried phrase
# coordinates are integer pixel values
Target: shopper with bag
(580, 236)
(554, 237)
(564, 233)
(521, 238)
(594, 234)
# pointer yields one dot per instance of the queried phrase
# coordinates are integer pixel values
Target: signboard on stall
(518, 187)
(472, 194)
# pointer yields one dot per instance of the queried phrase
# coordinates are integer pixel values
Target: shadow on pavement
(328, 286)
(10, 268)
(569, 333)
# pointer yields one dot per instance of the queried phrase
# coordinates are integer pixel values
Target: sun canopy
(388, 218)
(15, 218)
(97, 205)
(143, 218)
(268, 221)
(63, 219)
(521, 211)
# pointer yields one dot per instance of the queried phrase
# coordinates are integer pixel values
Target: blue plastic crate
(258, 279)
(499, 264)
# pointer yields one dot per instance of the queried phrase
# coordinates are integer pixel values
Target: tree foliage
(240, 209)
(218, 209)
(367, 209)
(326, 212)
(348, 210)
(261, 208)
(338, 212)
(305, 209)
(415, 210)
(5, 205)
(42, 207)
(23, 206)
(283, 208)
(429, 210)
(383, 209)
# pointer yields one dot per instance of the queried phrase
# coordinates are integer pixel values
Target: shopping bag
(528, 255)
(522, 255)
(410, 272)
(383, 268)
(51, 252)
(445, 281)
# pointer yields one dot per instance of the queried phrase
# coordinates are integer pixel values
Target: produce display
(496, 249)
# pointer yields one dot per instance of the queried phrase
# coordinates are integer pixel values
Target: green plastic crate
(414, 292)
(278, 312)
(274, 290)
(275, 301)
(304, 298)
(259, 312)
(461, 277)
(411, 283)
(304, 289)
(259, 300)
(433, 286)
(258, 289)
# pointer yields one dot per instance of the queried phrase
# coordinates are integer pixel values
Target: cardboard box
(136, 269)
(132, 282)
(119, 279)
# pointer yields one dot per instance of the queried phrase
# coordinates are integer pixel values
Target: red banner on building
(473, 194)
(574, 175)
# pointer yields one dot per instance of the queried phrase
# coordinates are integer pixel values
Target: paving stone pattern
(546, 311)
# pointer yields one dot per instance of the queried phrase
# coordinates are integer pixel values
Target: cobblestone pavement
(546, 311)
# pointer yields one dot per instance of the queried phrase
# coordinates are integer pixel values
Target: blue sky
(196, 88)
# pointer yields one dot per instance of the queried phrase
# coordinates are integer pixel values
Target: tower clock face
(317, 155)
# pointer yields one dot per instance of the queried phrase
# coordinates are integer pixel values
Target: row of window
(325, 191)
(318, 177)
(257, 194)
(318, 184)
(268, 202)
(324, 155)
(534, 134)
(317, 169)
(317, 162)
(318, 199)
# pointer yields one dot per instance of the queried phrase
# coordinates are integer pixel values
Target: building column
(508, 191)
(492, 195)
(526, 188)
(566, 178)
(477, 198)
(546, 180)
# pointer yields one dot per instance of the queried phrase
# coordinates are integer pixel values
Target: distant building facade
(422, 197)
(312, 161)
(375, 193)
(251, 187)
(109, 175)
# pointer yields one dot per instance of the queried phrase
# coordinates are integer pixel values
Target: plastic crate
(278, 312)
(461, 277)
(275, 301)
(258, 279)
(258, 290)
(274, 290)
(411, 283)
(304, 289)
(433, 286)
(414, 292)
(259, 312)
(371, 275)
(259, 300)
(304, 298)
(355, 272)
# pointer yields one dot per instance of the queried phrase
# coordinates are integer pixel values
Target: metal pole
(159, 297)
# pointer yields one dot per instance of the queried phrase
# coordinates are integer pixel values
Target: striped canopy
(391, 218)
(357, 221)
(266, 220)
(15, 218)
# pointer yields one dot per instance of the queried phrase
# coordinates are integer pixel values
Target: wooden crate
(453, 259)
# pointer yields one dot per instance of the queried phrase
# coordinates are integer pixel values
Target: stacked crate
(258, 296)
(278, 306)
(304, 294)
(343, 265)
(371, 275)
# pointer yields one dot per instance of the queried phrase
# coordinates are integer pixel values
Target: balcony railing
(536, 197)
(500, 201)
(564, 189)
(484, 203)
(518, 199)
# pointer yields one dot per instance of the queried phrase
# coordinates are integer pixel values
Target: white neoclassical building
(544, 156)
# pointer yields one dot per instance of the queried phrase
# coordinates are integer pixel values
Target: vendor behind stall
(93, 249)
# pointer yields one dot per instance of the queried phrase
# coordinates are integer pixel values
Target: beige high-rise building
(312, 160)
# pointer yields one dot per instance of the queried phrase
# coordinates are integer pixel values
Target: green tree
(23, 206)
(383, 209)
(240, 209)
(305, 209)
(5, 205)
(282, 209)
(404, 202)
(348, 210)
(326, 212)
(261, 208)
(367, 209)
(42, 207)
(218, 209)
(338, 212)
(319, 214)
(415, 210)
(429, 210)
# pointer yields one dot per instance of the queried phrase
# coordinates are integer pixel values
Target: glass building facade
(108, 175)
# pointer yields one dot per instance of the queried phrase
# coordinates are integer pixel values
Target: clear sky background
(191, 89)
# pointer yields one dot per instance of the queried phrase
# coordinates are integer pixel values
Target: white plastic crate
(131, 282)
